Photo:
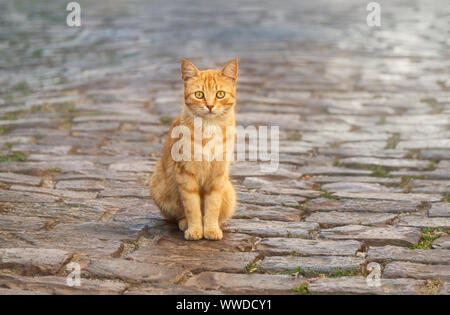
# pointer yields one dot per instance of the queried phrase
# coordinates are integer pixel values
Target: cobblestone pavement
(364, 170)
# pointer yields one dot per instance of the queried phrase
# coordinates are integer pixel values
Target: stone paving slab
(269, 200)
(390, 163)
(361, 205)
(25, 197)
(443, 242)
(93, 238)
(11, 178)
(58, 285)
(246, 283)
(399, 269)
(301, 247)
(390, 196)
(425, 222)
(206, 260)
(311, 265)
(402, 236)
(168, 289)
(354, 187)
(334, 218)
(80, 185)
(60, 193)
(267, 213)
(358, 285)
(364, 155)
(36, 167)
(12, 223)
(33, 260)
(390, 253)
(68, 211)
(4, 291)
(445, 288)
(130, 271)
(271, 228)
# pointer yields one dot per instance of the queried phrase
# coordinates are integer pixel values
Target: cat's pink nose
(210, 107)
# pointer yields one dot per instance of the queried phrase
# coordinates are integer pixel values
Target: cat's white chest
(210, 130)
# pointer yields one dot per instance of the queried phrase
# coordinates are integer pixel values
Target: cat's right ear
(188, 70)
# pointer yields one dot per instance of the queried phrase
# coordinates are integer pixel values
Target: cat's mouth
(208, 113)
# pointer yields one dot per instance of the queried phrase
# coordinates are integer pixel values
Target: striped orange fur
(198, 194)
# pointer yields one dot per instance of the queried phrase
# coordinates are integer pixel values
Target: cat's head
(209, 93)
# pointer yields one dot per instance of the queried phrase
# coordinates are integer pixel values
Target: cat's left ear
(230, 70)
(188, 70)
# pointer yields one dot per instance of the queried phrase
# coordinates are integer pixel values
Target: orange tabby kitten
(197, 193)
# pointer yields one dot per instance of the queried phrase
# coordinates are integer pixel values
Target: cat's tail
(165, 195)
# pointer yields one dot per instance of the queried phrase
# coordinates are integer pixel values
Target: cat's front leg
(190, 198)
(213, 202)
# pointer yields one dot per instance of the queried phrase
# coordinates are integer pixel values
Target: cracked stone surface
(364, 172)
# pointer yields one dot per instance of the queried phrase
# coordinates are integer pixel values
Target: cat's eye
(199, 94)
(220, 94)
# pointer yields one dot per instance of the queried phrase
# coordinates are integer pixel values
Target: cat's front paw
(193, 234)
(213, 234)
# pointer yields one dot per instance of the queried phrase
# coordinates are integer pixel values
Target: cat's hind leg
(228, 202)
(172, 211)
(182, 224)
(166, 197)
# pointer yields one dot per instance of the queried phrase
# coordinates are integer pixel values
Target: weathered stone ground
(365, 146)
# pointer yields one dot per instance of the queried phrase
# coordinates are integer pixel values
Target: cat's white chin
(208, 115)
